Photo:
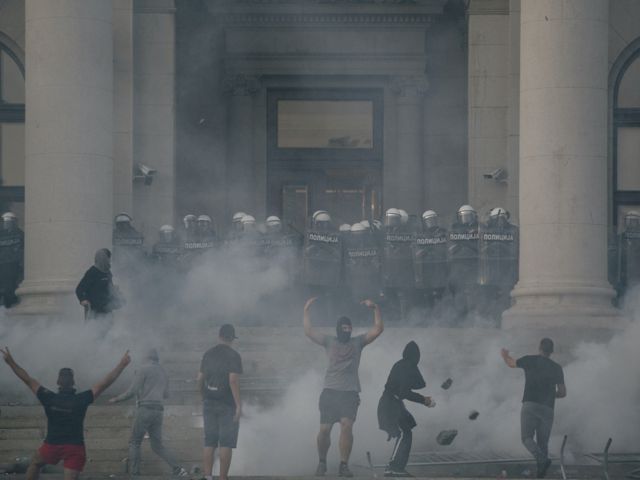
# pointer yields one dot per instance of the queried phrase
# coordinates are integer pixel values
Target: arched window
(626, 138)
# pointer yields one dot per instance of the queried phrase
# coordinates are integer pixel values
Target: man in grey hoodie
(150, 386)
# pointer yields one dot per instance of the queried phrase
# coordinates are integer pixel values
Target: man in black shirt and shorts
(65, 412)
(544, 382)
(340, 397)
(219, 382)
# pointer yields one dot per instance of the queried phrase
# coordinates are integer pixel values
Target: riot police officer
(362, 263)
(11, 258)
(282, 246)
(630, 252)
(322, 252)
(189, 225)
(168, 249)
(430, 259)
(397, 270)
(463, 248)
(128, 251)
(498, 261)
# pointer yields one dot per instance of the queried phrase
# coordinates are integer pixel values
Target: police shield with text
(189, 228)
(397, 270)
(168, 249)
(281, 247)
(430, 259)
(498, 260)
(630, 252)
(11, 258)
(362, 263)
(463, 249)
(322, 255)
(128, 250)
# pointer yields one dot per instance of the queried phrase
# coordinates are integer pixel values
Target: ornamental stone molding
(409, 87)
(240, 85)
(325, 19)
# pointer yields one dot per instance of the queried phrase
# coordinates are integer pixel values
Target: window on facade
(12, 142)
(626, 138)
(340, 124)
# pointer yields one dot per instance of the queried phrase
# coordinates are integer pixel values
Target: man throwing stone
(544, 382)
(65, 412)
(340, 397)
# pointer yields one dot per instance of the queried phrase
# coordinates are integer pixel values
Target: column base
(564, 308)
(45, 298)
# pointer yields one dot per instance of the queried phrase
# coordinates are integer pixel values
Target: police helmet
(392, 217)
(237, 217)
(189, 220)
(498, 212)
(404, 216)
(321, 216)
(345, 227)
(467, 214)
(430, 218)
(204, 219)
(248, 220)
(9, 220)
(273, 224)
(166, 232)
(358, 228)
(632, 219)
(122, 218)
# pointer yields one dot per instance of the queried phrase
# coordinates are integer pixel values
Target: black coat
(97, 287)
(403, 379)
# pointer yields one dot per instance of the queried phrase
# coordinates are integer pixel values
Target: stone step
(17, 434)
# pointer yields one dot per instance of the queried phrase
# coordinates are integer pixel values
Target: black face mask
(343, 336)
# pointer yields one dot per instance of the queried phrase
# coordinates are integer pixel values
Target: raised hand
(310, 302)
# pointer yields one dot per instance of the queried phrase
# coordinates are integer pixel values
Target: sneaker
(393, 472)
(322, 469)
(180, 472)
(344, 471)
(542, 468)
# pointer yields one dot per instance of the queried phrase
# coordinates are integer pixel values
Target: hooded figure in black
(393, 417)
(96, 291)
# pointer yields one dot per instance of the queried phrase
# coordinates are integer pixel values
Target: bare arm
(561, 390)
(309, 331)
(131, 391)
(200, 382)
(111, 377)
(234, 383)
(378, 326)
(20, 372)
(508, 359)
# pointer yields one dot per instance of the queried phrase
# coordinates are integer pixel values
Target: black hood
(411, 353)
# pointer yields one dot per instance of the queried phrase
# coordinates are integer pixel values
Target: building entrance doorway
(324, 153)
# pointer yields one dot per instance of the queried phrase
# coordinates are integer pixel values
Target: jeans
(147, 420)
(536, 419)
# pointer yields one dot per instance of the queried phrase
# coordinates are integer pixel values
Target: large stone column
(563, 167)
(240, 167)
(408, 164)
(69, 142)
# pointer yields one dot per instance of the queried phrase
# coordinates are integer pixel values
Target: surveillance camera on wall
(144, 173)
(499, 175)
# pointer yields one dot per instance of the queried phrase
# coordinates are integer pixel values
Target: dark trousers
(536, 420)
(401, 452)
(147, 420)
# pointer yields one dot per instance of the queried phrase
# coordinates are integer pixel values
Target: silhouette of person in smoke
(65, 412)
(544, 382)
(340, 397)
(96, 291)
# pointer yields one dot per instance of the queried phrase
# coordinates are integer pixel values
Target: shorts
(219, 428)
(336, 404)
(74, 456)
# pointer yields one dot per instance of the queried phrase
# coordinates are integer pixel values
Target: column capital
(240, 85)
(409, 86)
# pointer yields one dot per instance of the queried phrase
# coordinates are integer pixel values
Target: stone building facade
(286, 106)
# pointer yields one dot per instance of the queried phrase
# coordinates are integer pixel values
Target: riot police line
(408, 262)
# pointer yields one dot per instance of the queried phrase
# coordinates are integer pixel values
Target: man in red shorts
(65, 412)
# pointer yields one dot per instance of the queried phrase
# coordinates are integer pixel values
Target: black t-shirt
(65, 415)
(541, 377)
(217, 364)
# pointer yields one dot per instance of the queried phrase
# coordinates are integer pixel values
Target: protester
(393, 416)
(65, 412)
(544, 382)
(340, 397)
(219, 382)
(150, 386)
(96, 291)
